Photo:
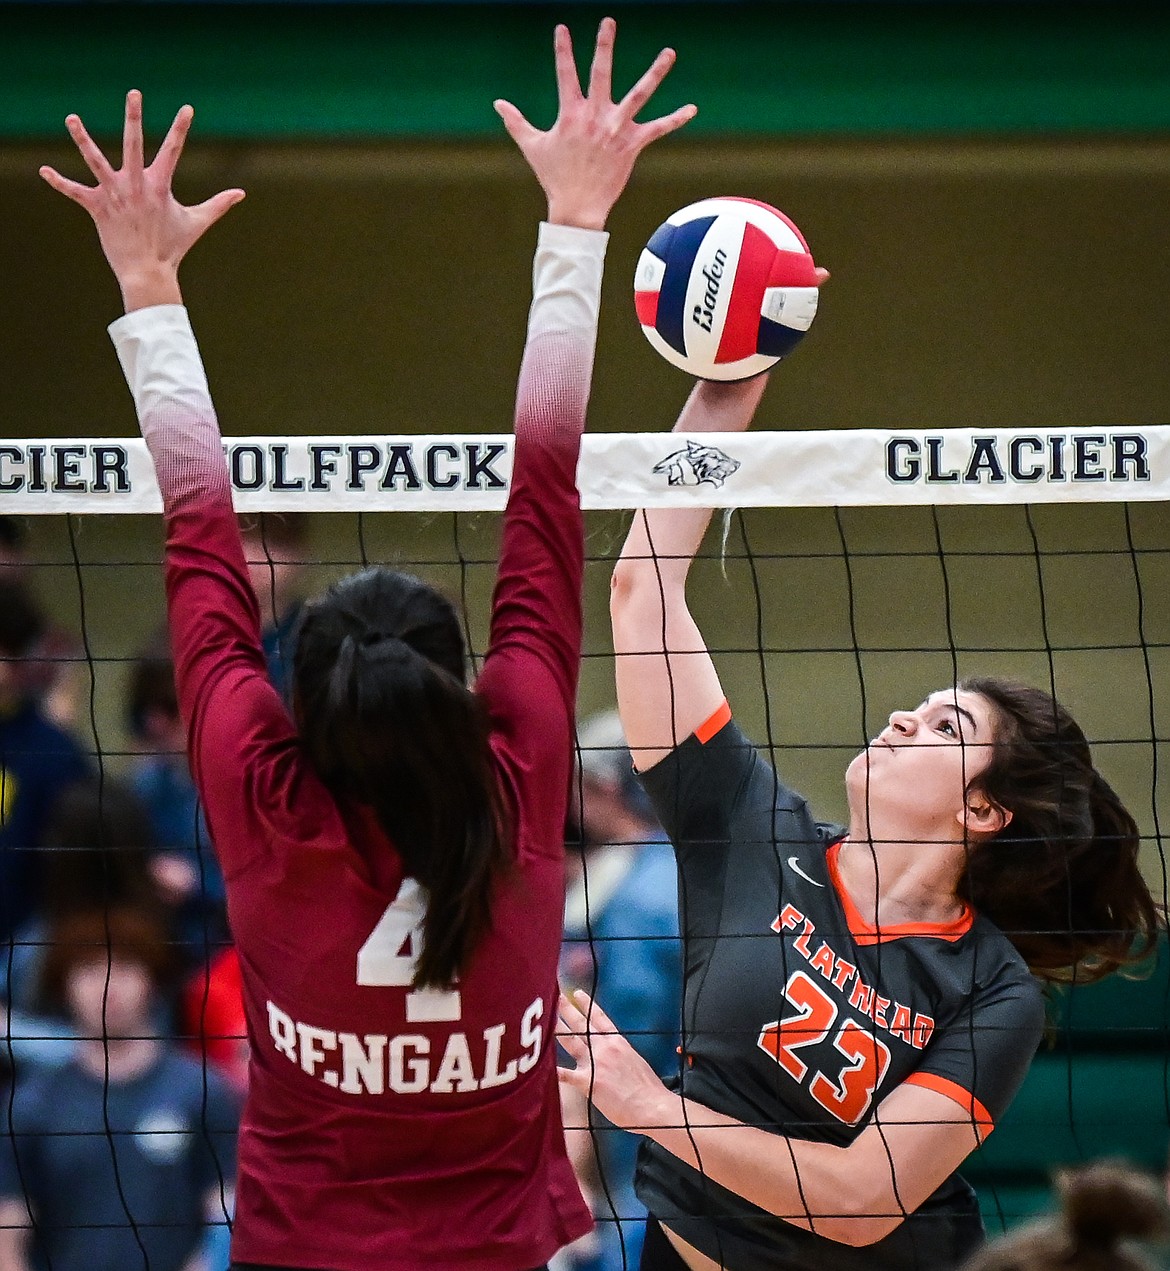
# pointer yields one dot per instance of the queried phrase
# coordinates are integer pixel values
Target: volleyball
(725, 288)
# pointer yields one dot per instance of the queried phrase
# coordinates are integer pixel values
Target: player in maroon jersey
(394, 854)
(861, 1004)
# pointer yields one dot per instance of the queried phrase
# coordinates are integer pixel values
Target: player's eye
(947, 727)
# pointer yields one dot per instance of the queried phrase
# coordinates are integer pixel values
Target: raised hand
(144, 230)
(619, 1083)
(585, 159)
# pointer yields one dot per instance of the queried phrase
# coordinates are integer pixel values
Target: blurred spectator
(54, 670)
(99, 840)
(622, 946)
(185, 866)
(95, 852)
(210, 1005)
(275, 547)
(121, 1157)
(1106, 1208)
(38, 760)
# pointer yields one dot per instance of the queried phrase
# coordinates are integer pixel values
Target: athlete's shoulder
(996, 967)
(988, 945)
(722, 743)
(707, 769)
(717, 742)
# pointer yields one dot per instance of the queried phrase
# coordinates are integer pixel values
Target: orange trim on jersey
(709, 727)
(964, 1098)
(865, 933)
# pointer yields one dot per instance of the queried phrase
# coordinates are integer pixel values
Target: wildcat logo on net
(696, 465)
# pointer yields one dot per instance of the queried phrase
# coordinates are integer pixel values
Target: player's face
(923, 763)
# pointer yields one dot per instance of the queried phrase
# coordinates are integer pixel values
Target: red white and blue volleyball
(725, 288)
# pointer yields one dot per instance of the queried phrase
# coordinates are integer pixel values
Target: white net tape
(841, 468)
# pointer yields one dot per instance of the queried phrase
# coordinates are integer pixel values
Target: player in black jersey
(861, 1003)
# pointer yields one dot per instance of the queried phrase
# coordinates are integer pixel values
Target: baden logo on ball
(725, 288)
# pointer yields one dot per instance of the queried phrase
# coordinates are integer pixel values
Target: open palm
(144, 230)
(585, 159)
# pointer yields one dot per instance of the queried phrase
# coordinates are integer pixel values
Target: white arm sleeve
(164, 371)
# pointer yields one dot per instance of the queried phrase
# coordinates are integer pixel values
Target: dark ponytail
(388, 722)
(1104, 1206)
(1062, 880)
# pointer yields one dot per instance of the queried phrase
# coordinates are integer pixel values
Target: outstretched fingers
(599, 1021)
(132, 160)
(210, 210)
(607, 1068)
(572, 1037)
(648, 84)
(144, 231)
(601, 72)
(167, 158)
(656, 128)
(89, 150)
(584, 160)
(517, 127)
(582, 1014)
(572, 1031)
(70, 189)
(568, 85)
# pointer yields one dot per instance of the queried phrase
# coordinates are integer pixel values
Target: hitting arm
(667, 685)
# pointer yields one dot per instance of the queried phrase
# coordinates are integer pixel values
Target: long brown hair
(1061, 879)
(388, 721)
(1104, 1207)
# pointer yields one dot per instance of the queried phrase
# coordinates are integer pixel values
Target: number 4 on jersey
(389, 958)
(867, 1057)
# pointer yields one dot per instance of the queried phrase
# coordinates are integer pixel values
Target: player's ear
(982, 818)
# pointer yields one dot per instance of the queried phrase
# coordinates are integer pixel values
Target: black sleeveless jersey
(800, 1017)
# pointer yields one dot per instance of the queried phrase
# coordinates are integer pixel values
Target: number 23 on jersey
(847, 1094)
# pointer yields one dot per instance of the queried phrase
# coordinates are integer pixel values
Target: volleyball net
(846, 574)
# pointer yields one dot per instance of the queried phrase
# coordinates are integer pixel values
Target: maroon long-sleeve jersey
(387, 1128)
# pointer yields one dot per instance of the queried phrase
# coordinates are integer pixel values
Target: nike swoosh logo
(794, 865)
